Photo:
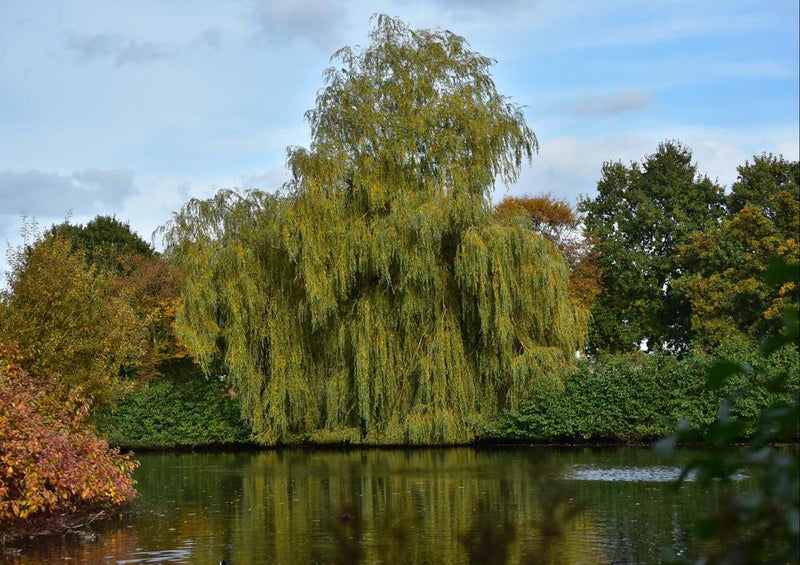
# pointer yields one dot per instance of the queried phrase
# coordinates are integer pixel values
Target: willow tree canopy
(375, 299)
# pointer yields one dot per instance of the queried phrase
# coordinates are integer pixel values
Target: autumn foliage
(152, 289)
(68, 321)
(557, 220)
(52, 469)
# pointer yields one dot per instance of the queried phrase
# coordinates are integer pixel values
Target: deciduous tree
(557, 220)
(724, 265)
(377, 299)
(105, 241)
(640, 216)
(141, 278)
(67, 321)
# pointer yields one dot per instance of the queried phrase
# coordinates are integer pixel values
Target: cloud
(790, 149)
(124, 50)
(134, 52)
(93, 46)
(121, 49)
(610, 104)
(318, 21)
(210, 38)
(568, 166)
(40, 193)
(268, 180)
(462, 7)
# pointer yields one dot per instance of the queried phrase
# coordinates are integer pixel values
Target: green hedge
(642, 397)
(614, 398)
(174, 413)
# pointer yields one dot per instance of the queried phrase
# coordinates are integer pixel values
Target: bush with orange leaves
(54, 472)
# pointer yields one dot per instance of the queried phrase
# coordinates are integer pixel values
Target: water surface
(438, 506)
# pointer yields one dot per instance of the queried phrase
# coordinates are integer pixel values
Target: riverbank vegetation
(380, 298)
(639, 398)
(54, 472)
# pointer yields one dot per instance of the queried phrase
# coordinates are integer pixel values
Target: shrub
(187, 411)
(641, 397)
(52, 469)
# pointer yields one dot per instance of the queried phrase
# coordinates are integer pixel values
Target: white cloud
(269, 180)
(718, 151)
(790, 149)
(570, 166)
(47, 198)
(158, 198)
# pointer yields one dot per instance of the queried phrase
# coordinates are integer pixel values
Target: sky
(132, 107)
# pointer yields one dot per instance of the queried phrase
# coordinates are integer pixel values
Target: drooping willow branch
(377, 299)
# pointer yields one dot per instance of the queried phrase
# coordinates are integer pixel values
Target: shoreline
(477, 444)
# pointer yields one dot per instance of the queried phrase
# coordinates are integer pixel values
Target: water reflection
(462, 505)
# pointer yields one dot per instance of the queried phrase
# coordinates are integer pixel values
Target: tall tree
(378, 300)
(640, 216)
(142, 278)
(67, 321)
(105, 241)
(723, 266)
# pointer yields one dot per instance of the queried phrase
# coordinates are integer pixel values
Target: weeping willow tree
(375, 299)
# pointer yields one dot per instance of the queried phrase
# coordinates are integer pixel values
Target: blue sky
(132, 107)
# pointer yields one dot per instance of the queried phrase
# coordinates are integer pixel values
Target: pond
(453, 505)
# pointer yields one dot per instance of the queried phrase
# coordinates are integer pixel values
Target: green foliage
(642, 397)
(68, 322)
(51, 467)
(175, 412)
(724, 265)
(558, 221)
(105, 241)
(378, 299)
(762, 526)
(639, 218)
(135, 277)
(771, 184)
(682, 263)
(152, 289)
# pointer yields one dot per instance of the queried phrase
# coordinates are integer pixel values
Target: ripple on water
(177, 555)
(649, 474)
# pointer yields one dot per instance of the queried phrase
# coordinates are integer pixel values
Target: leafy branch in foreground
(762, 526)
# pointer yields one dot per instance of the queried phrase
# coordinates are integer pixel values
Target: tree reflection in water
(439, 506)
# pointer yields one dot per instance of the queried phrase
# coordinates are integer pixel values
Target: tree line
(670, 261)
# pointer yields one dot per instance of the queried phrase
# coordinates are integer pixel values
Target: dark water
(457, 505)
